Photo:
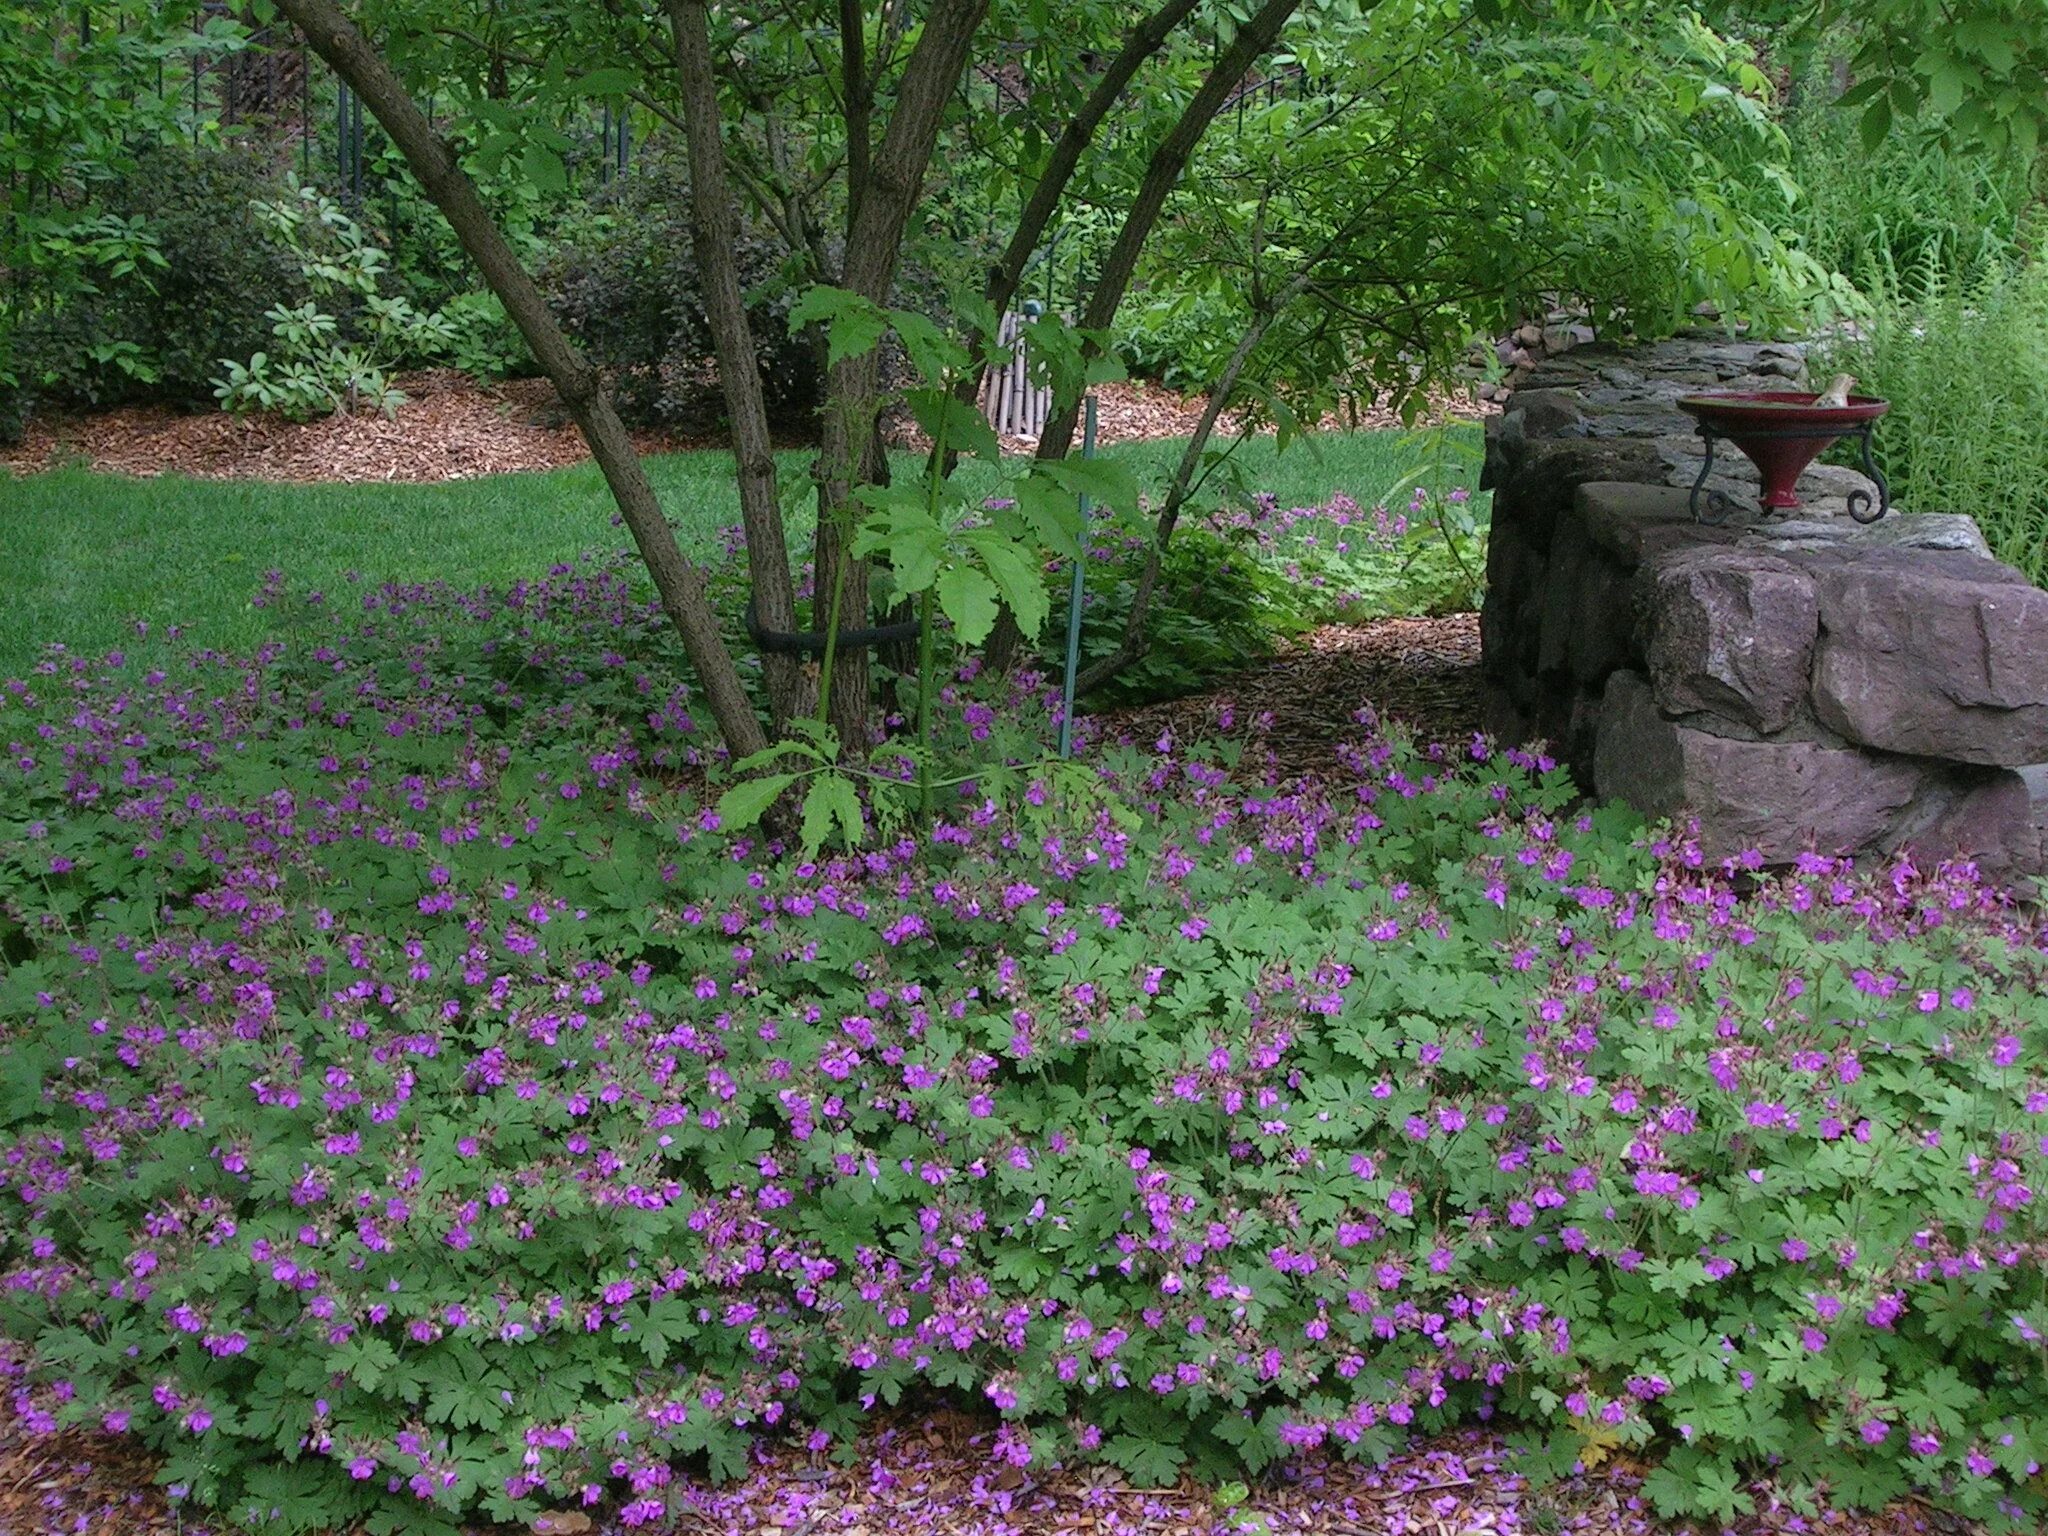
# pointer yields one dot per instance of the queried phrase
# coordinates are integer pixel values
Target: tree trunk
(715, 239)
(679, 582)
(881, 212)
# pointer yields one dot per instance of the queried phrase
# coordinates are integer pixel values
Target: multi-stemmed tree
(969, 133)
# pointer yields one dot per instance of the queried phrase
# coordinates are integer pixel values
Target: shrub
(1913, 201)
(319, 362)
(158, 329)
(411, 1104)
(1236, 585)
(1964, 360)
(625, 283)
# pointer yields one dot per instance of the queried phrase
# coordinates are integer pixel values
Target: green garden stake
(1074, 599)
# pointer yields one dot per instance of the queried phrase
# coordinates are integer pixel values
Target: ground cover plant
(414, 1104)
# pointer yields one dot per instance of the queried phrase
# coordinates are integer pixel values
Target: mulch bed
(1296, 707)
(452, 428)
(935, 1477)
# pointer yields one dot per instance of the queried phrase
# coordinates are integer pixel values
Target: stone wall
(1525, 348)
(1795, 681)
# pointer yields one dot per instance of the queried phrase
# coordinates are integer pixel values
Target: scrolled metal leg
(1861, 504)
(1716, 503)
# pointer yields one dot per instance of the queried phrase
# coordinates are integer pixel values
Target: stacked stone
(1527, 346)
(1794, 682)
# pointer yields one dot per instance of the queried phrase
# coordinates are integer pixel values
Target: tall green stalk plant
(1963, 357)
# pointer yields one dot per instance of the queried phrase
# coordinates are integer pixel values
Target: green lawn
(88, 554)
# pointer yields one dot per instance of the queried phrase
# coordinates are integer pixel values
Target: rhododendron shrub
(413, 1106)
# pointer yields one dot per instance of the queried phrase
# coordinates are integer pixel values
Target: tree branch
(1161, 175)
(858, 94)
(1140, 43)
(679, 582)
(715, 232)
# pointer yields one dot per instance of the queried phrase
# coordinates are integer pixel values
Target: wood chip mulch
(453, 428)
(1300, 704)
(450, 428)
(937, 1476)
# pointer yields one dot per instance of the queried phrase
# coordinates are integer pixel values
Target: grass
(90, 555)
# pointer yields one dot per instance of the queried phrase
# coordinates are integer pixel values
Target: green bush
(624, 279)
(1963, 357)
(159, 329)
(411, 1104)
(1238, 583)
(338, 349)
(1911, 204)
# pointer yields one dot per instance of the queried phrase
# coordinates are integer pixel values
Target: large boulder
(1933, 653)
(1782, 798)
(1995, 817)
(1731, 633)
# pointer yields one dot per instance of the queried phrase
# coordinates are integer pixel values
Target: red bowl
(1770, 426)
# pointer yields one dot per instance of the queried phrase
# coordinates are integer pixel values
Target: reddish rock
(1782, 798)
(1731, 632)
(1934, 654)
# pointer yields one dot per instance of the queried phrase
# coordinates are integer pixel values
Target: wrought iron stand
(1862, 505)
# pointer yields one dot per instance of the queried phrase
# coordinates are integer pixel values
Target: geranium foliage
(412, 1105)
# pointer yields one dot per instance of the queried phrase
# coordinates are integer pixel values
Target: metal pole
(1074, 585)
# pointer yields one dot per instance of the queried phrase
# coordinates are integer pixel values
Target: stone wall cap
(1917, 530)
(1628, 519)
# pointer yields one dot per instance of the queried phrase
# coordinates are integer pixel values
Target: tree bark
(853, 392)
(679, 582)
(715, 239)
(858, 104)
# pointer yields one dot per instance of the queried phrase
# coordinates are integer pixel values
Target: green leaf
(1051, 511)
(544, 168)
(904, 533)
(959, 425)
(932, 352)
(853, 325)
(1147, 1462)
(968, 598)
(1104, 481)
(1017, 576)
(831, 798)
(1948, 82)
(606, 82)
(748, 801)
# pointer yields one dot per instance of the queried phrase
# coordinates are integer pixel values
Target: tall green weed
(1912, 202)
(1963, 357)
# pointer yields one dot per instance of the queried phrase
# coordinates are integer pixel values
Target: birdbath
(1781, 433)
